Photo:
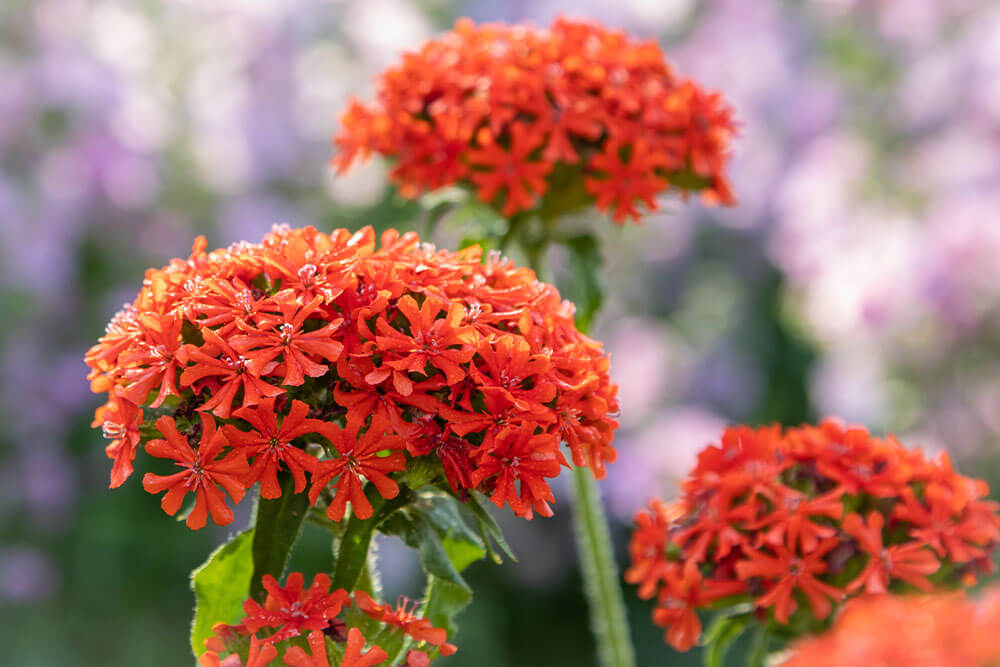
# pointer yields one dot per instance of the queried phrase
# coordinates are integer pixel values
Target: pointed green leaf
(443, 601)
(587, 289)
(220, 586)
(488, 528)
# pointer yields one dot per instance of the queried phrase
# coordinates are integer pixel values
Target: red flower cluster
(324, 356)
(903, 631)
(290, 611)
(502, 109)
(811, 513)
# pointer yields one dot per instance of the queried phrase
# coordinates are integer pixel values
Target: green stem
(353, 553)
(600, 573)
(277, 524)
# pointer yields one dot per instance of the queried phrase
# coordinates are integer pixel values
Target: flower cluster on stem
(575, 111)
(794, 521)
(339, 362)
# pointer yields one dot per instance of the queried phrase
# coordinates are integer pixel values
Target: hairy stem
(352, 556)
(600, 573)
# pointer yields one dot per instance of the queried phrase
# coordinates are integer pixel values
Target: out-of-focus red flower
(338, 361)
(944, 630)
(814, 513)
(509, 110)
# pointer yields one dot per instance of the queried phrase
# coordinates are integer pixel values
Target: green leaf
(483, 242)
(442, 602)
(436, 527)
(444, 512)
(220, 586)
(488, 528)
(759, 648)
(587, 289)
(277, 524)
(414, 528)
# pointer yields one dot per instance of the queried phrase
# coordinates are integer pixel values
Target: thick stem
(356, 540)
(600, 573)
(277, 524)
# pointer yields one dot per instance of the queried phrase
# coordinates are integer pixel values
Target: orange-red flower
(404, 616)
(764, 518)
(792, 573)
(220, 371)
(328, 356)
(910, 562)
(291, 609)
(270, 337)
(359, 458)
(271, 445)
(203, 472)
(120, 423)
(504, 109)
(945, 630)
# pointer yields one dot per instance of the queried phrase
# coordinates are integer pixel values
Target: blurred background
(860, 276)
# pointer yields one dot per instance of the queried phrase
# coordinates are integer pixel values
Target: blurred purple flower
(26, 576)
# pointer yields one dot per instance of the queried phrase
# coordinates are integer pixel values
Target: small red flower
(121, 426)
(443, 343)
(511, 171)
(911, 562)
(292, 609)
(369, 457)
(203, 472)
(271, 445)
(226, 370)
(404, 616)
(153, 364)
(792, 573)
(623, 182)
(517, 468)
(284, 337)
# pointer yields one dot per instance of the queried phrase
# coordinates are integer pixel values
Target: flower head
(509, 110)
(338, 361)
(795, 521)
